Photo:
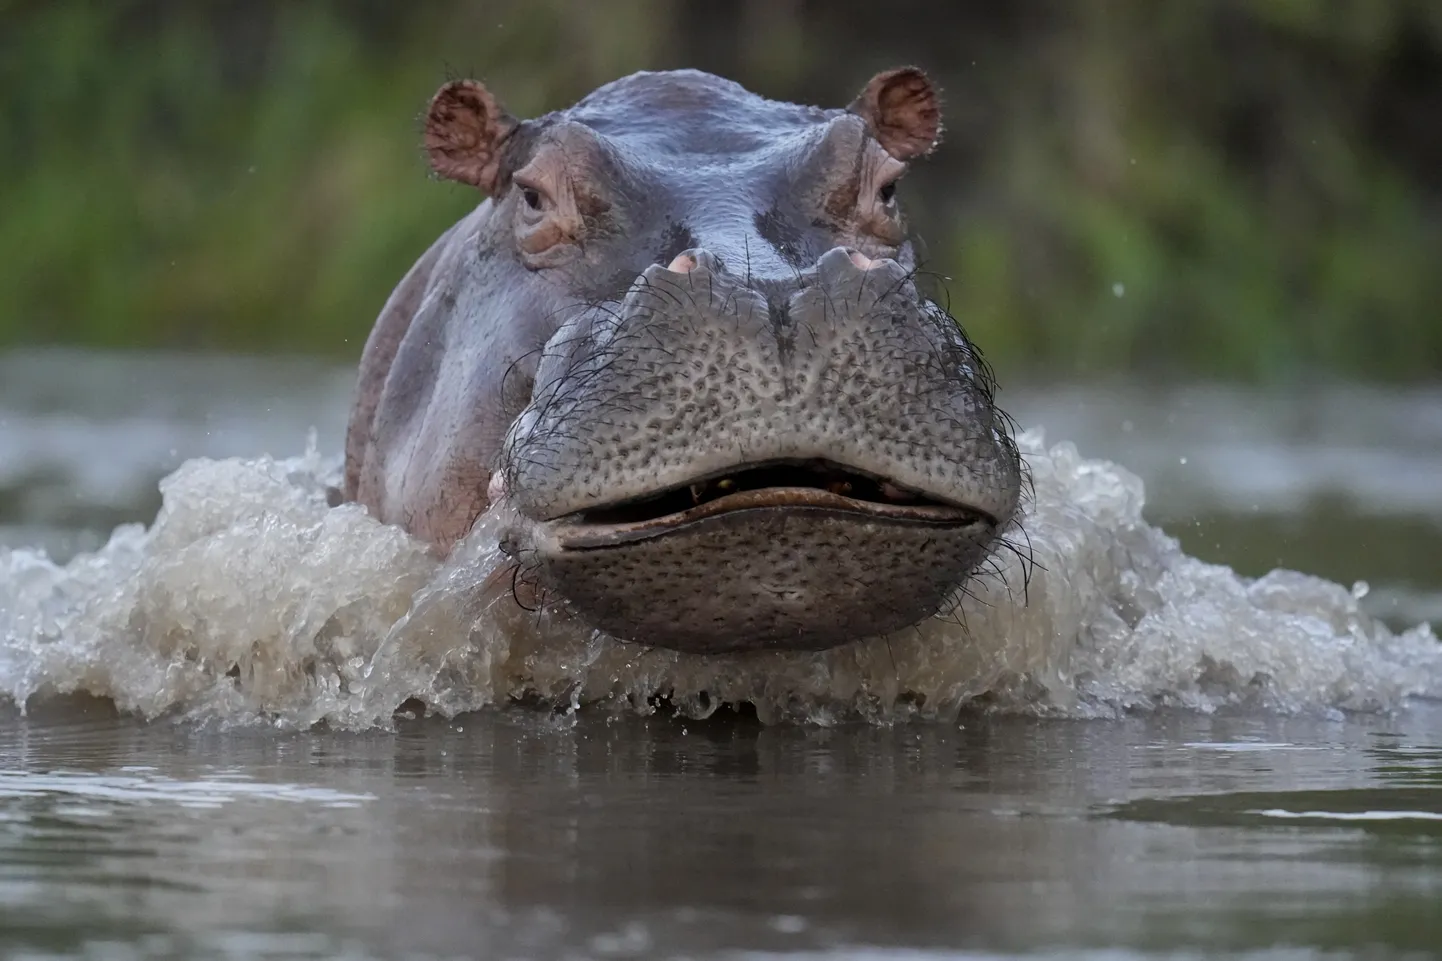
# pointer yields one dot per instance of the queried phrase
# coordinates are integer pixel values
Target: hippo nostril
(882, 276)
(692, 259)
(843, 262)
(683, 264)
(689, 268)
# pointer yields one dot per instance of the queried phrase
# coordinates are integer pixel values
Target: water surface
(1243, 809)
(522, 835)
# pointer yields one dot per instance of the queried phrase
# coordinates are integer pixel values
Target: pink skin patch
(683, 264)
(496, 489)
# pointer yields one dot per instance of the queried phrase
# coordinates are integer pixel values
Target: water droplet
(1119, 289)
(1361, 589)
(1182, 461)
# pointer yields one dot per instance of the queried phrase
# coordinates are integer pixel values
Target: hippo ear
(904, 112)
(465, 127)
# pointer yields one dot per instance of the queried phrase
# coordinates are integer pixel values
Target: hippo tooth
(893, 493)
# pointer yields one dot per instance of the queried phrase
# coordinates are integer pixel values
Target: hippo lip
(783, 486)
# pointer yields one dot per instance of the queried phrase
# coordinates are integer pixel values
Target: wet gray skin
(682, 338)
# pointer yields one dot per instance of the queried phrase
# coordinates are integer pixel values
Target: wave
(251, 600)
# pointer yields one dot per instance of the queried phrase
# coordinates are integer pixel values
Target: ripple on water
(142, 788)
(1407, 813)
(250, 600)
(863, 953)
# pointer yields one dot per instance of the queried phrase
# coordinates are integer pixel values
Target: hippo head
(683, 340)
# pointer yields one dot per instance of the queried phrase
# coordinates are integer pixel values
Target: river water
(210, 743)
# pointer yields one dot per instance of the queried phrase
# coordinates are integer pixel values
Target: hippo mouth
(815, 485)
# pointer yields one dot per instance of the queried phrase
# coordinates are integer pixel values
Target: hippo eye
(532, 197)
(887, 193)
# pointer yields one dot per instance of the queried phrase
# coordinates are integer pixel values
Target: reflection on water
(523, 835)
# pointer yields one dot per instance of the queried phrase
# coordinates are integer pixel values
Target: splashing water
(251, 600)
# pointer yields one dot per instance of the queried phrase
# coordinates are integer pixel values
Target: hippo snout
(718, 463)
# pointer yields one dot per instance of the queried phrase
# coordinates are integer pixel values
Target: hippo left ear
(903, 110)
(465, 128)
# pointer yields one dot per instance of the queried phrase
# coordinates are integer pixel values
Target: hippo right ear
(903, 110)
(465, 128)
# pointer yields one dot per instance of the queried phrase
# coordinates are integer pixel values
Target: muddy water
(1226, 798)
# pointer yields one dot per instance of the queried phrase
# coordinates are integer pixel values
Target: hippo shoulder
(378, 359)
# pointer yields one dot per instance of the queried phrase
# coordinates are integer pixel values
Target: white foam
(250, 600)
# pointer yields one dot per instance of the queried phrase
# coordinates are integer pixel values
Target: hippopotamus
(682, 338)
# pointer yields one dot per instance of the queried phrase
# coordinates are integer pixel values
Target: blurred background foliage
(1232, 188)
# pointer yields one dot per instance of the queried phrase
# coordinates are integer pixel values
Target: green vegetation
(1245, 188)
